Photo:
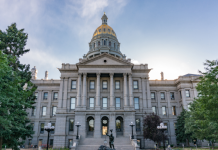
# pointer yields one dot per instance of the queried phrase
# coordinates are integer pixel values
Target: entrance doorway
(90, 126)
(119, 126)
(104, 124)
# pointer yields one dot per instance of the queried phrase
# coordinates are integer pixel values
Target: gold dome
(104, 29)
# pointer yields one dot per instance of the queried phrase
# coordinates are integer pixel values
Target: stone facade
(103, 91)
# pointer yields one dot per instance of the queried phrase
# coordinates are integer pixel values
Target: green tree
(202, 119)
(181, 135)
(14, 99)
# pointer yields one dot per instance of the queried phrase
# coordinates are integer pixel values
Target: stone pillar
(125, 91)
(148, 94)
(184, 103)
(130, 92)
(60, 94)
(78, 104)
(112, 123)
(144, 95)
(168, 103)
(159, 108)
(97, 105)
(97, 126)
(84, 91)
(65, 95)
(38, 108)
(112, 106)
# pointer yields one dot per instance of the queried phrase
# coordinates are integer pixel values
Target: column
(38, 108)
(65, 94)
(97, 105)
(168, 103)
(159, 107)
(112, 107)
(84, 91)
(130, 91)
(78, 104)
(184, 103)
(125, 91)
(148, 94)
(60, 94)
(144, 95)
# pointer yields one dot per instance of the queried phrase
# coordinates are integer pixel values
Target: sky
(171, 36)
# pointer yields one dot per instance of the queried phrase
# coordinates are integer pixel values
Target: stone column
(159, 108)
(60, 94)
(184, 103)
(144, 102)
(38, 107)
(168, 103)
(130, 91)
(65, 95)
(148, 94)
(125, 91)
(78, 104)
(84, 91)
(97, 105)
(112, 107)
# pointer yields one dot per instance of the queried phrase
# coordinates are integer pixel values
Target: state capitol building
(104, 91)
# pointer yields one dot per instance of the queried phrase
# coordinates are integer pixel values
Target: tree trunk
(0, 143)
(212, 146)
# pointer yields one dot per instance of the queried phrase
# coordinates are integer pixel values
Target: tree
(14, 99)
(150, 131)
(202, 119)
(181, 135)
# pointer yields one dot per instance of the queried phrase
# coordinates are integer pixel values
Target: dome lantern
(104, 19)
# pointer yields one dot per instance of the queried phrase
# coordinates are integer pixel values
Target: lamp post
(77, 137)
(131, 124)
(48, 129)
(162, 128)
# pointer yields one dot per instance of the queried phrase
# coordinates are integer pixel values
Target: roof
(191, 75)
(104, 29)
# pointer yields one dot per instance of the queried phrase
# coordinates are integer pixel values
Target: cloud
(136, 62)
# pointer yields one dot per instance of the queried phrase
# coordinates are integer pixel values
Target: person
(111, 139)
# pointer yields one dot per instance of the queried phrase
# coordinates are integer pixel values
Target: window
(98, 43)
(99, 30)
(165, 124)
(104, 84)
(174, 110)
(43, 111)
(73, 84)
(30, 142)
(42, 128)
(117, 85)
(54, 110)
(137, 124)
(71, 124)
(136, 100)
(36, 95)
(135, 84)
(109, 43)
(162, 95)
(72, 103)
(45, 97)
(105, 42)
(187, 93)
(32, 124)
(180, 94)
(51, 142)
(154, 109)
(55, 97)
(104, 28)
(117, 103)
(94, 44)
(164, 113)
(172, 96)
(104, 103)
(114, 45)
(70, 143)
(189, 107)
(152, 95)
(92, 85)
(109, 30)
(34, 111)
(91, 103)
(53, 124)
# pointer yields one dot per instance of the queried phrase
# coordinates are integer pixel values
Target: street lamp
(162, 128)
(131, 124)
(48, 129)
(77, 137)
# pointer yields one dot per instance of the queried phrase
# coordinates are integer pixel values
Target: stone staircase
(90, 143)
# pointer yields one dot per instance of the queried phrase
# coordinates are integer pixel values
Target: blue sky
(173, 36)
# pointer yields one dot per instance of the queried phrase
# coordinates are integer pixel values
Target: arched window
(104, 42)
(98, 43)
(109, 30)
(114, 45)
(104, 29)
(99, 30)
(110, 43)
(91, 125)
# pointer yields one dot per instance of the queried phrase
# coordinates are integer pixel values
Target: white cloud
(136, 62)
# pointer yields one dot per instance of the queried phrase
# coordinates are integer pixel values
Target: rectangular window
(180, 94)
(172, 95)
(117, 85)
(42, 128)
(91, 103)
(71, 124)
(104, 84)
(174, 110)
(164, 113)
(154, 109)
(53, 124)
(187, 93)
(152, 95)
(34, 111)
(104, 103)
(36, 95)
(54, 110)
(32, 124)
(51, 142)
(135, 85)
(165, 124)
(92, 85)
(162, 95)
(73, 84)
(117, 103)
(70, 143)
(43, 111)
(72, 103)
(55, 97)
(136, 100)
(137, 124)
(45, 97)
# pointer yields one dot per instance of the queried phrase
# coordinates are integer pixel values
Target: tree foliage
(202, 119)
(150, 131)
(181, 135)
(14, 99)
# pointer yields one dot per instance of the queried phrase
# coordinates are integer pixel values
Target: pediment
(104, 59)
